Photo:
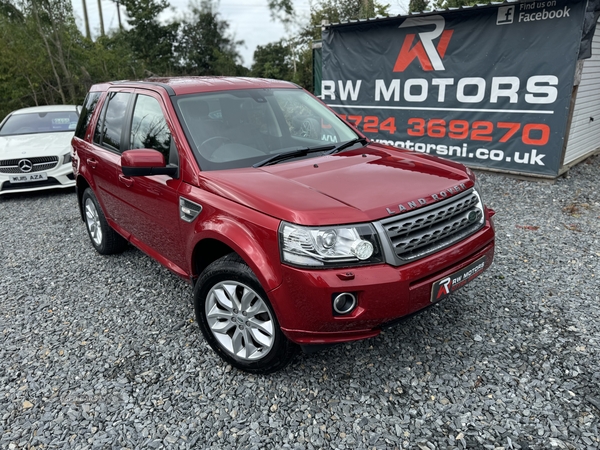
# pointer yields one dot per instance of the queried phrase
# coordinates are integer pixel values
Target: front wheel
(236, 319)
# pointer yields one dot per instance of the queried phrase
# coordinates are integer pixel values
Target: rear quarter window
(89, 106)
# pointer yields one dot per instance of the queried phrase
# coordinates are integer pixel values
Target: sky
(249, 20)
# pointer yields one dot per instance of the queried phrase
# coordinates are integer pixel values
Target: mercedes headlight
(329, 246)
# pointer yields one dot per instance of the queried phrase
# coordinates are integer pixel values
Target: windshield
(238, 128)
(43, 122)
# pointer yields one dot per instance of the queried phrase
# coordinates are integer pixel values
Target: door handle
(92, 162)
(126, 181)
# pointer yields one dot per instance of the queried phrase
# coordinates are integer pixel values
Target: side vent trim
(188, 210)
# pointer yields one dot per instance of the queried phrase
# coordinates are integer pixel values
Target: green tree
(335, 11)
(324, 12)
(442, 4)
(54, 24)
(45, 59)
(273, 61)
(16, 88)
(282, 10)
(303, 72)
(418, 5)
(35, 59)
(152, 42)
(204, 46)
(9, 11)
(110, 57)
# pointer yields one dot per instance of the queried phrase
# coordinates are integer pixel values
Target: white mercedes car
(35, 148)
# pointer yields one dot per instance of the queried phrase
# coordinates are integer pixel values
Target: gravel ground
(104, 352)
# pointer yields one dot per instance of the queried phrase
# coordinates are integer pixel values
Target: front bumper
(58, 177)
(303, 302)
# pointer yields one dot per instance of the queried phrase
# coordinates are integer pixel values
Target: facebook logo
(505, 15)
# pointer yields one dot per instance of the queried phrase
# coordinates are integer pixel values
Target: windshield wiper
(345, 145)
(293, 154)
(330, 149)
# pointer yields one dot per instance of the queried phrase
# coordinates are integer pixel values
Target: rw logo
(429, 56)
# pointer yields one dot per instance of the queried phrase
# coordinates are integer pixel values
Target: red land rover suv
(293, 227)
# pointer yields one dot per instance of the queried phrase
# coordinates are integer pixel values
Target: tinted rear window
(89, 105)
(44, 122)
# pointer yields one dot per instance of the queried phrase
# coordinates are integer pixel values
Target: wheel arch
(80, 187)
(214, 244)
(206, 252)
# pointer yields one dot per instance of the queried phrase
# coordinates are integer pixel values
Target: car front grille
(39, 164)
(422, 232)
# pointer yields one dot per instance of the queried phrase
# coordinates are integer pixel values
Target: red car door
(104, 162)
(150, 204)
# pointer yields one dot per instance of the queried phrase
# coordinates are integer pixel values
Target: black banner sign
(489, 86)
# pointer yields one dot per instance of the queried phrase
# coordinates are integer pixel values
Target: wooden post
(101, 17)
(86, 20)
(119, 15)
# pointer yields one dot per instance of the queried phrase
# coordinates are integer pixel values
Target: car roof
(192, 85)
(47, 108)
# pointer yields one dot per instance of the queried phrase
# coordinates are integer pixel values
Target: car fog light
(362, 249)
(344, 303)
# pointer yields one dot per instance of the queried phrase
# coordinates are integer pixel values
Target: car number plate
(28, 177)
(446, 286)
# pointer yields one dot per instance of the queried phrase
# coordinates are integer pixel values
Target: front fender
(250, 233)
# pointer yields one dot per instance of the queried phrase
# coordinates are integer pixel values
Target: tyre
(105, 240)
(236, 319)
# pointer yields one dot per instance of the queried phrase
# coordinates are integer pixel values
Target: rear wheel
(105, 240)
(237, 320)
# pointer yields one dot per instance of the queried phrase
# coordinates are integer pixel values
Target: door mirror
(144, 162)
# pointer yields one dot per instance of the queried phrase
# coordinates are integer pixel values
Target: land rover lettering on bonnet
(294, 229)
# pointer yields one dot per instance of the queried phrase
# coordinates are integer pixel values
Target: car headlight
(477, 186)
(481, 205)
(329, 246)
(67, 158)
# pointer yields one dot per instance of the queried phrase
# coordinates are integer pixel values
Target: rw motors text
(539, 89)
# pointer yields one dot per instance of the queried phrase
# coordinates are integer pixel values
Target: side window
(149, 128)
(108, 131)
(89, 105)
(97, 138)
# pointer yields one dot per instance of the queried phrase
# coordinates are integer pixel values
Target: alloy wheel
(240, 320)
(92, 220)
